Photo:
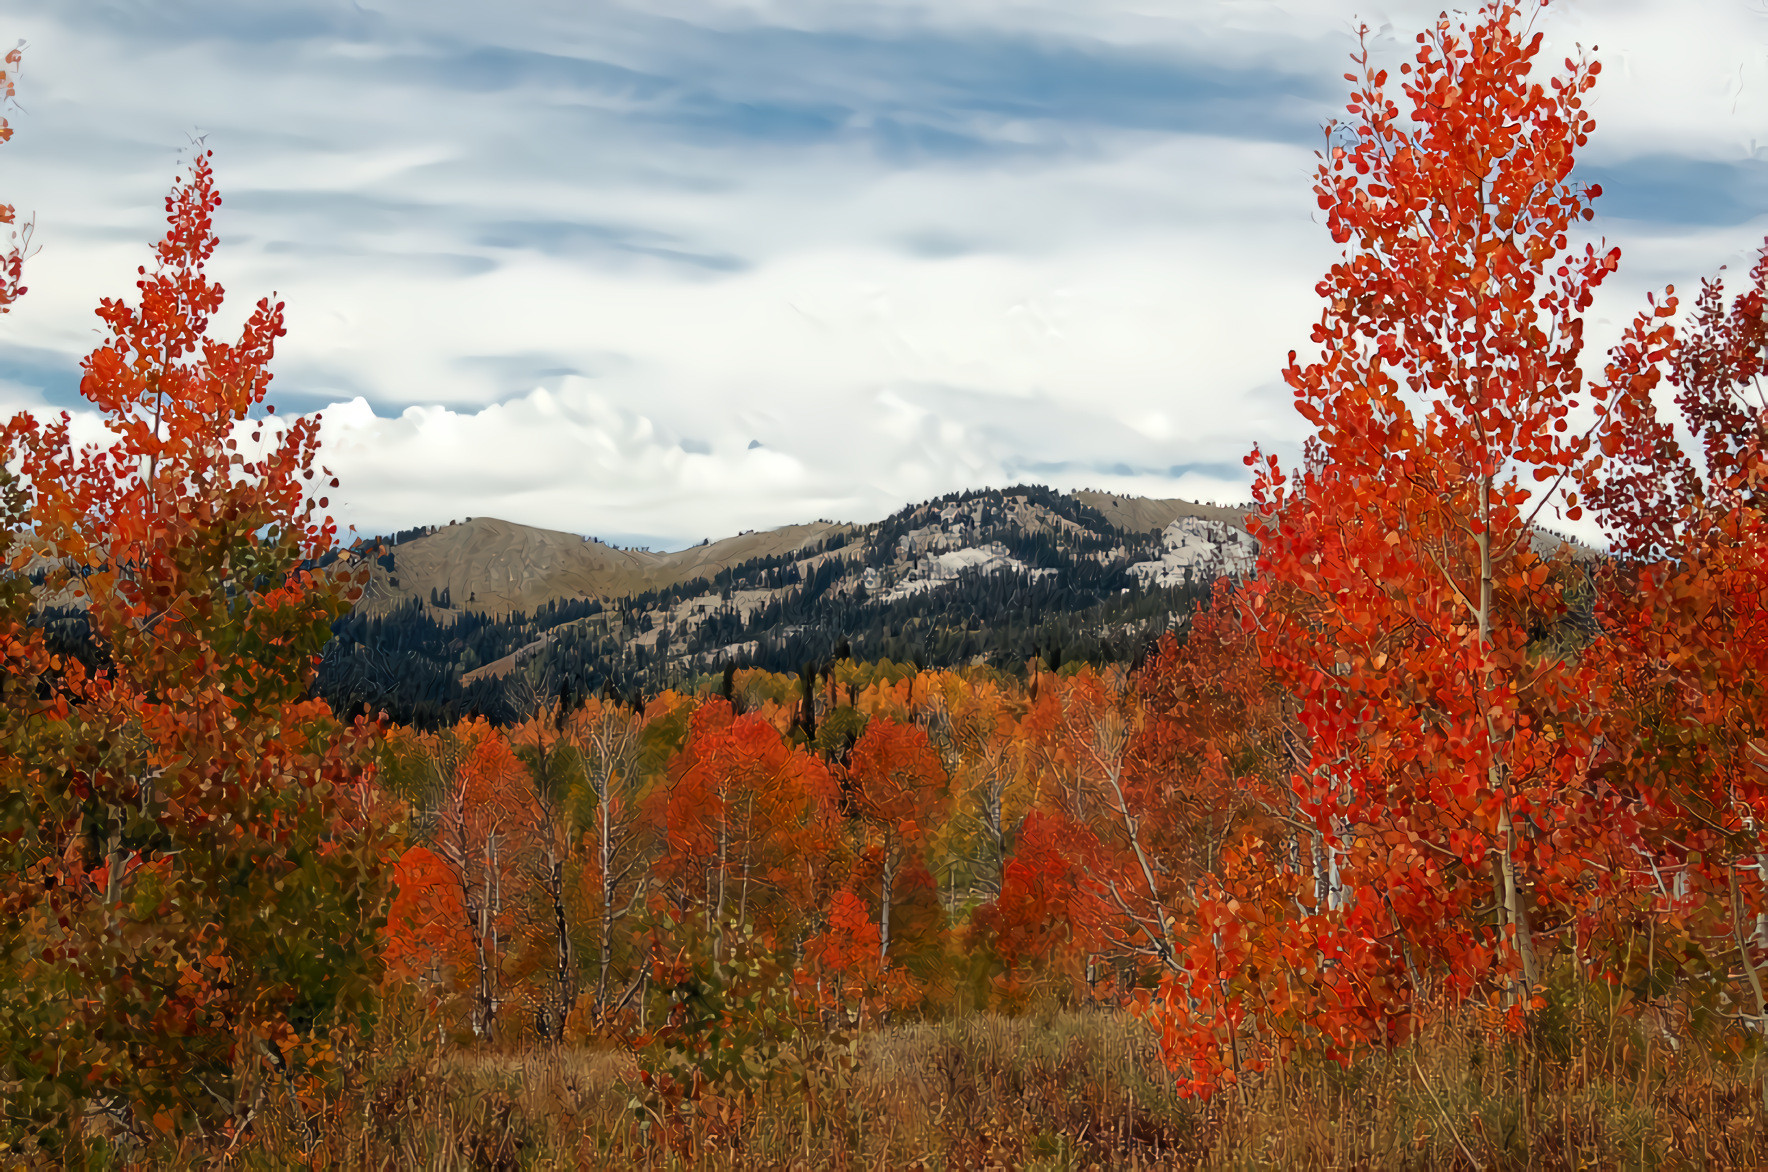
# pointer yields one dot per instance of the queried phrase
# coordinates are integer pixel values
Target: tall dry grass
(1585, 1088)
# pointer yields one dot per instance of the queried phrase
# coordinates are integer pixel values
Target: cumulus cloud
(665, 270)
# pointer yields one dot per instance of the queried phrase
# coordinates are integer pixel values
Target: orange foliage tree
(1082, 727)
(1215, 742)
(1443, 757)
(1046, 915)
(1685, 748)
(749, 822)
(607, 740)
(549, 842)
(975, 724)
(896, 791)
(486, 825)
(211, 851)
(427, 940)
(844, 959)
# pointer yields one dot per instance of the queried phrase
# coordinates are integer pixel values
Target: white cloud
(566, 266)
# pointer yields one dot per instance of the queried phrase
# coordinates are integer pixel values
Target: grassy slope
(506, 567)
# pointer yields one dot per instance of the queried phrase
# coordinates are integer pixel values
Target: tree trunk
(748, 837)
(997, 839)
(487, 942)
(606, 853)
(1511, 898)
(887, 881)
(566, 993)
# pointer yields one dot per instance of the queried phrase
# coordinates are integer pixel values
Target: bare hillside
(1139, 514)
(498, 566)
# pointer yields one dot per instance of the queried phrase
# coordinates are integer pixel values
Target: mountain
(481, 617)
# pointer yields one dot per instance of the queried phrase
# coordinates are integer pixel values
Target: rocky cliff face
(1193, 548)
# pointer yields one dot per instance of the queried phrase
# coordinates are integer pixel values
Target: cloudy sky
(669, 269)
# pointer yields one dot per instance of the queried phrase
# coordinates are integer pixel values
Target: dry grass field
(1067, 1090)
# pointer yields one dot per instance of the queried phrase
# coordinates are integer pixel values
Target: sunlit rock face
(1194, 546)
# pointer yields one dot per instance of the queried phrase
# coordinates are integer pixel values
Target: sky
(661, 271)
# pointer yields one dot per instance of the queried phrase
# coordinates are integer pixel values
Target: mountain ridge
(498, 567)
(460, 618)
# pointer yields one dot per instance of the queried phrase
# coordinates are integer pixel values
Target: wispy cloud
(671, 269)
